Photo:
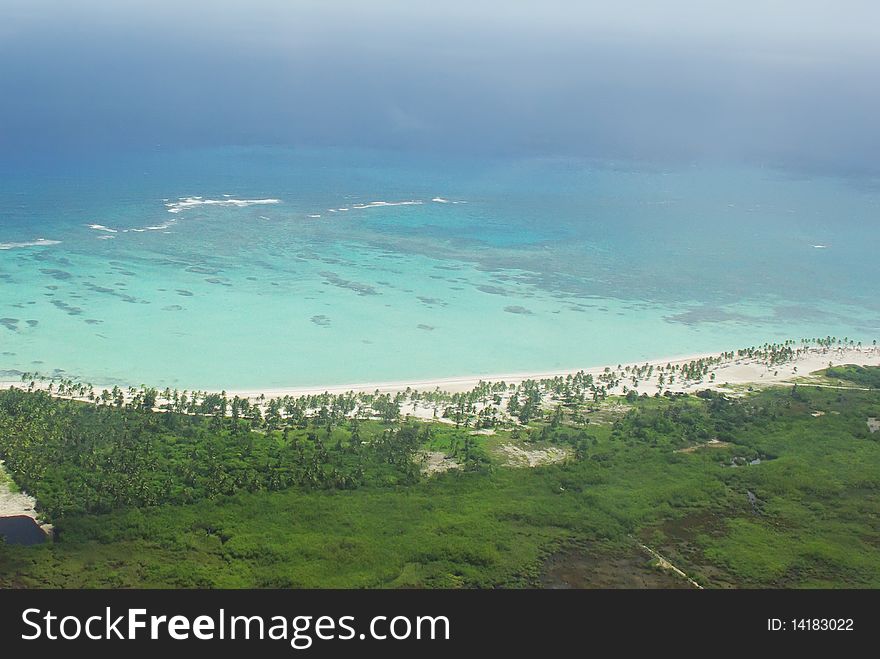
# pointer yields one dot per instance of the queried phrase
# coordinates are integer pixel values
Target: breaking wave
(101, 227)
(185, 203)
(39, 242)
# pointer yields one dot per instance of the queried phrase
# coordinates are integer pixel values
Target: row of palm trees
(488, 404)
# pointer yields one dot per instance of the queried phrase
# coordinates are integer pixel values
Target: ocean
(264, 267)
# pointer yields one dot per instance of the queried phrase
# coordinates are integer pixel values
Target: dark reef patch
(427, 328)
(184, 292)
(10, 323)
(492, 290)
(67, 308)
(515, 308)
(708, 314)
(321, 320)
(789, 312)
(94, 321)
(335, 280)
(33, 323)
(61, 275)
(111, 291)
(98, 289)
(46, 256)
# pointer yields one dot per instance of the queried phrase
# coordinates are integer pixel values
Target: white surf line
(185, 203)
(383, 204)
(101, 227)
(387, 204)
(39, 242)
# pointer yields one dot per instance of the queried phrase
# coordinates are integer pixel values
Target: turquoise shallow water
(466, 267)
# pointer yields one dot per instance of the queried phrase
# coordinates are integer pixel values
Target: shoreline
(728, 371)
(739, 370)
(457, 383)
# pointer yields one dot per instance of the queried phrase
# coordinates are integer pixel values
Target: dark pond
(21, 530)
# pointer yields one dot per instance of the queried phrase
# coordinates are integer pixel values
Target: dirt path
(666, 565)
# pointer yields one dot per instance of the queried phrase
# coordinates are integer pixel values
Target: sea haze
(221, 194)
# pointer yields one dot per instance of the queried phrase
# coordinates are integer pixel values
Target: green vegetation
(77, 458)
(780, 488)
(860, 375)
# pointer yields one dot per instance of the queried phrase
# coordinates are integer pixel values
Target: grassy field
(780, 488)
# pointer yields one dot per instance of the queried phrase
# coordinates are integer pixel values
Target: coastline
(733, 372)
(736, 371)
(458, 383)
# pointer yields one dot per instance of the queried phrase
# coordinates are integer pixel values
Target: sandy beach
(744, 371)
(728, 374)
(723, 372)
(739, 371)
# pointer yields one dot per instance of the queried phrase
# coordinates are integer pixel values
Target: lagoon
(245, 268)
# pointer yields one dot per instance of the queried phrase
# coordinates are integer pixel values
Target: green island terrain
(551, 483)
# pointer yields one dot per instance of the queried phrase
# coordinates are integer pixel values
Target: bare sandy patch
(520, 457)
(712, 443)
(436, 462)
(14, 503)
